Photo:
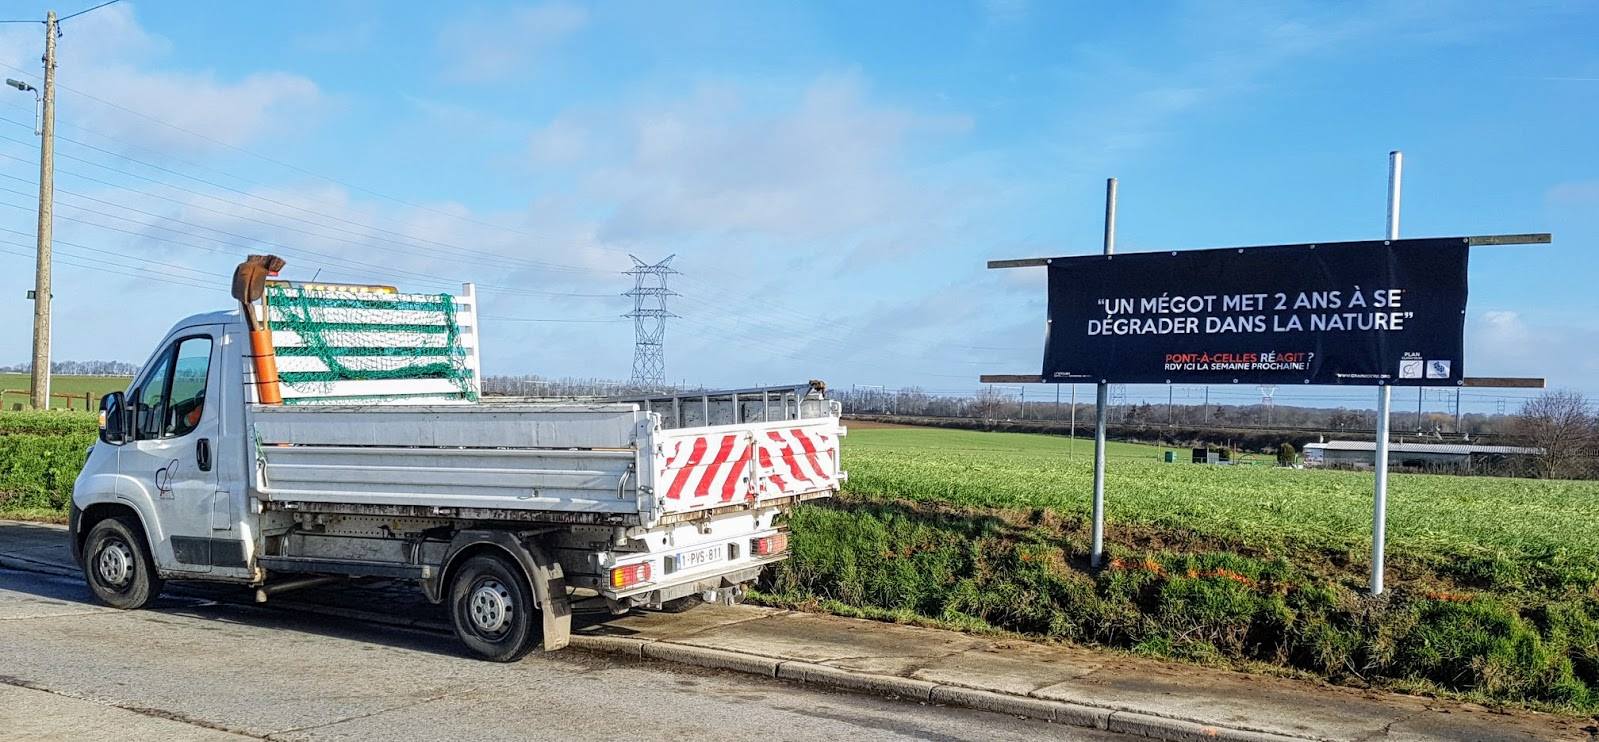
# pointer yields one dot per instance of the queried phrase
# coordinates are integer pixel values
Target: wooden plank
(1500, 382)
(1488, 240)
(369, 388)
(1484, 240)
(1019, 263)
(1503, 382)
(1011, 379)
(292, 339)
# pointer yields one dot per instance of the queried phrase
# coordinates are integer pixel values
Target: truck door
(174, 452)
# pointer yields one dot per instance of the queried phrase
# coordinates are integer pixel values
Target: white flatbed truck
(504, 511)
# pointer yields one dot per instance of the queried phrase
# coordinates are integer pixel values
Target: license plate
(699, 557)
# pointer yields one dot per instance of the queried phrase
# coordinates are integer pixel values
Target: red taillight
(630, 575)
(773, 544)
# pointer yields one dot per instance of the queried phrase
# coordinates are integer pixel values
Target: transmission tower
(1118, 399)
(649, 321)
(1268, 395)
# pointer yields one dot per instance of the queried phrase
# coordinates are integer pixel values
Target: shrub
(37, 471)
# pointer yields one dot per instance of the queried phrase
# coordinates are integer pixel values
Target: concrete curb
(1060, 712)
(1177, 730)
(893, 685)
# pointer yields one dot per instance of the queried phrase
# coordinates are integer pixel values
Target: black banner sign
(1338, 313)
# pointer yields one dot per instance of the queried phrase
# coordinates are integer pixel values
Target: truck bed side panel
(567, 458)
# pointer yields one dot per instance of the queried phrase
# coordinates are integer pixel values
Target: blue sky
(831, 176)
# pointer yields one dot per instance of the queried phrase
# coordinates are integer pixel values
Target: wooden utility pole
(40, 388)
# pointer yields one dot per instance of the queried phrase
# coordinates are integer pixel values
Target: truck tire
(117, 564)
(492, 609)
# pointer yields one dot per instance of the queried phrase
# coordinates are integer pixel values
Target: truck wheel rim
(115, 563)
(490, 607)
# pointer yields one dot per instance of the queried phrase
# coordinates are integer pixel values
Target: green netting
(365, 337)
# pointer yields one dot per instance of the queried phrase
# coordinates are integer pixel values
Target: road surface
(200, 665)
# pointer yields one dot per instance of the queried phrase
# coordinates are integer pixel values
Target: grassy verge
(40, 456)
(1494, 583)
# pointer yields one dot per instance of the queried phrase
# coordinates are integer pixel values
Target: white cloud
(564, 140)
(824, 162)
(109, 56)
(1575, 193)
(1503, 342)
(489, 46)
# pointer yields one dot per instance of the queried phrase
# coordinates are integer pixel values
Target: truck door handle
(202, 454)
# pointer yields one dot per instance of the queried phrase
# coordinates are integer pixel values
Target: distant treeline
(994, 406)
(79, 368)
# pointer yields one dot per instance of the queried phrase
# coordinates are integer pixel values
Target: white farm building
(1418, 456)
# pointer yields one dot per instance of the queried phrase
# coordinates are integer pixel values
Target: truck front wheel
(491, 606)
(117, 565)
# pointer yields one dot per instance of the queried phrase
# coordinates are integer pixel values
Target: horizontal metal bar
(290, 504)
(1503, 382)
(1011, 379)
(1485, 240)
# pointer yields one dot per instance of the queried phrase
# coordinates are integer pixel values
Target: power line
(610, 321)
(70, 16)
(766, 306)
(280, 163)
(339, 262)
(271, 225)
(483, 254)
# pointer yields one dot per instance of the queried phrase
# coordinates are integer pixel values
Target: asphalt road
(194, 667)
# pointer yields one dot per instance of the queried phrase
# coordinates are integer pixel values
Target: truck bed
(603, 463)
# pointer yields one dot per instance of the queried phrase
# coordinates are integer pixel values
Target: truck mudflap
(543, 571)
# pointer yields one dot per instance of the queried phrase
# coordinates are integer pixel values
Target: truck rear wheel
(117, 565)
(492, 608)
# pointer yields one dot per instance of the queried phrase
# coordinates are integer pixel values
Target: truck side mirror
(113, 419)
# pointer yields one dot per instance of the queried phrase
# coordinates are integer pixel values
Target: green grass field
(1260, 506)
(1493, 583)
(15, 387)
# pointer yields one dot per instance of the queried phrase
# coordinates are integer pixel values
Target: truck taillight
(773, 544)
(630, 575)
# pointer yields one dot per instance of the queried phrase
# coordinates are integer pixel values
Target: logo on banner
(1438, 369)
(1411, 367)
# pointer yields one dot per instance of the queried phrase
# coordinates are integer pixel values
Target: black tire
(492, 609)
(117, 564)
(681, 605)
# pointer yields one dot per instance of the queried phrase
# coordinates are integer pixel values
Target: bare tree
(1562, 424)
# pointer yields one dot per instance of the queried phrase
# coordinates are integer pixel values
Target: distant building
(1451, 457)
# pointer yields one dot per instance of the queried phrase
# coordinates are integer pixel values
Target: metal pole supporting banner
(1097, 555)
(1073, 444)
(1379, 509)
